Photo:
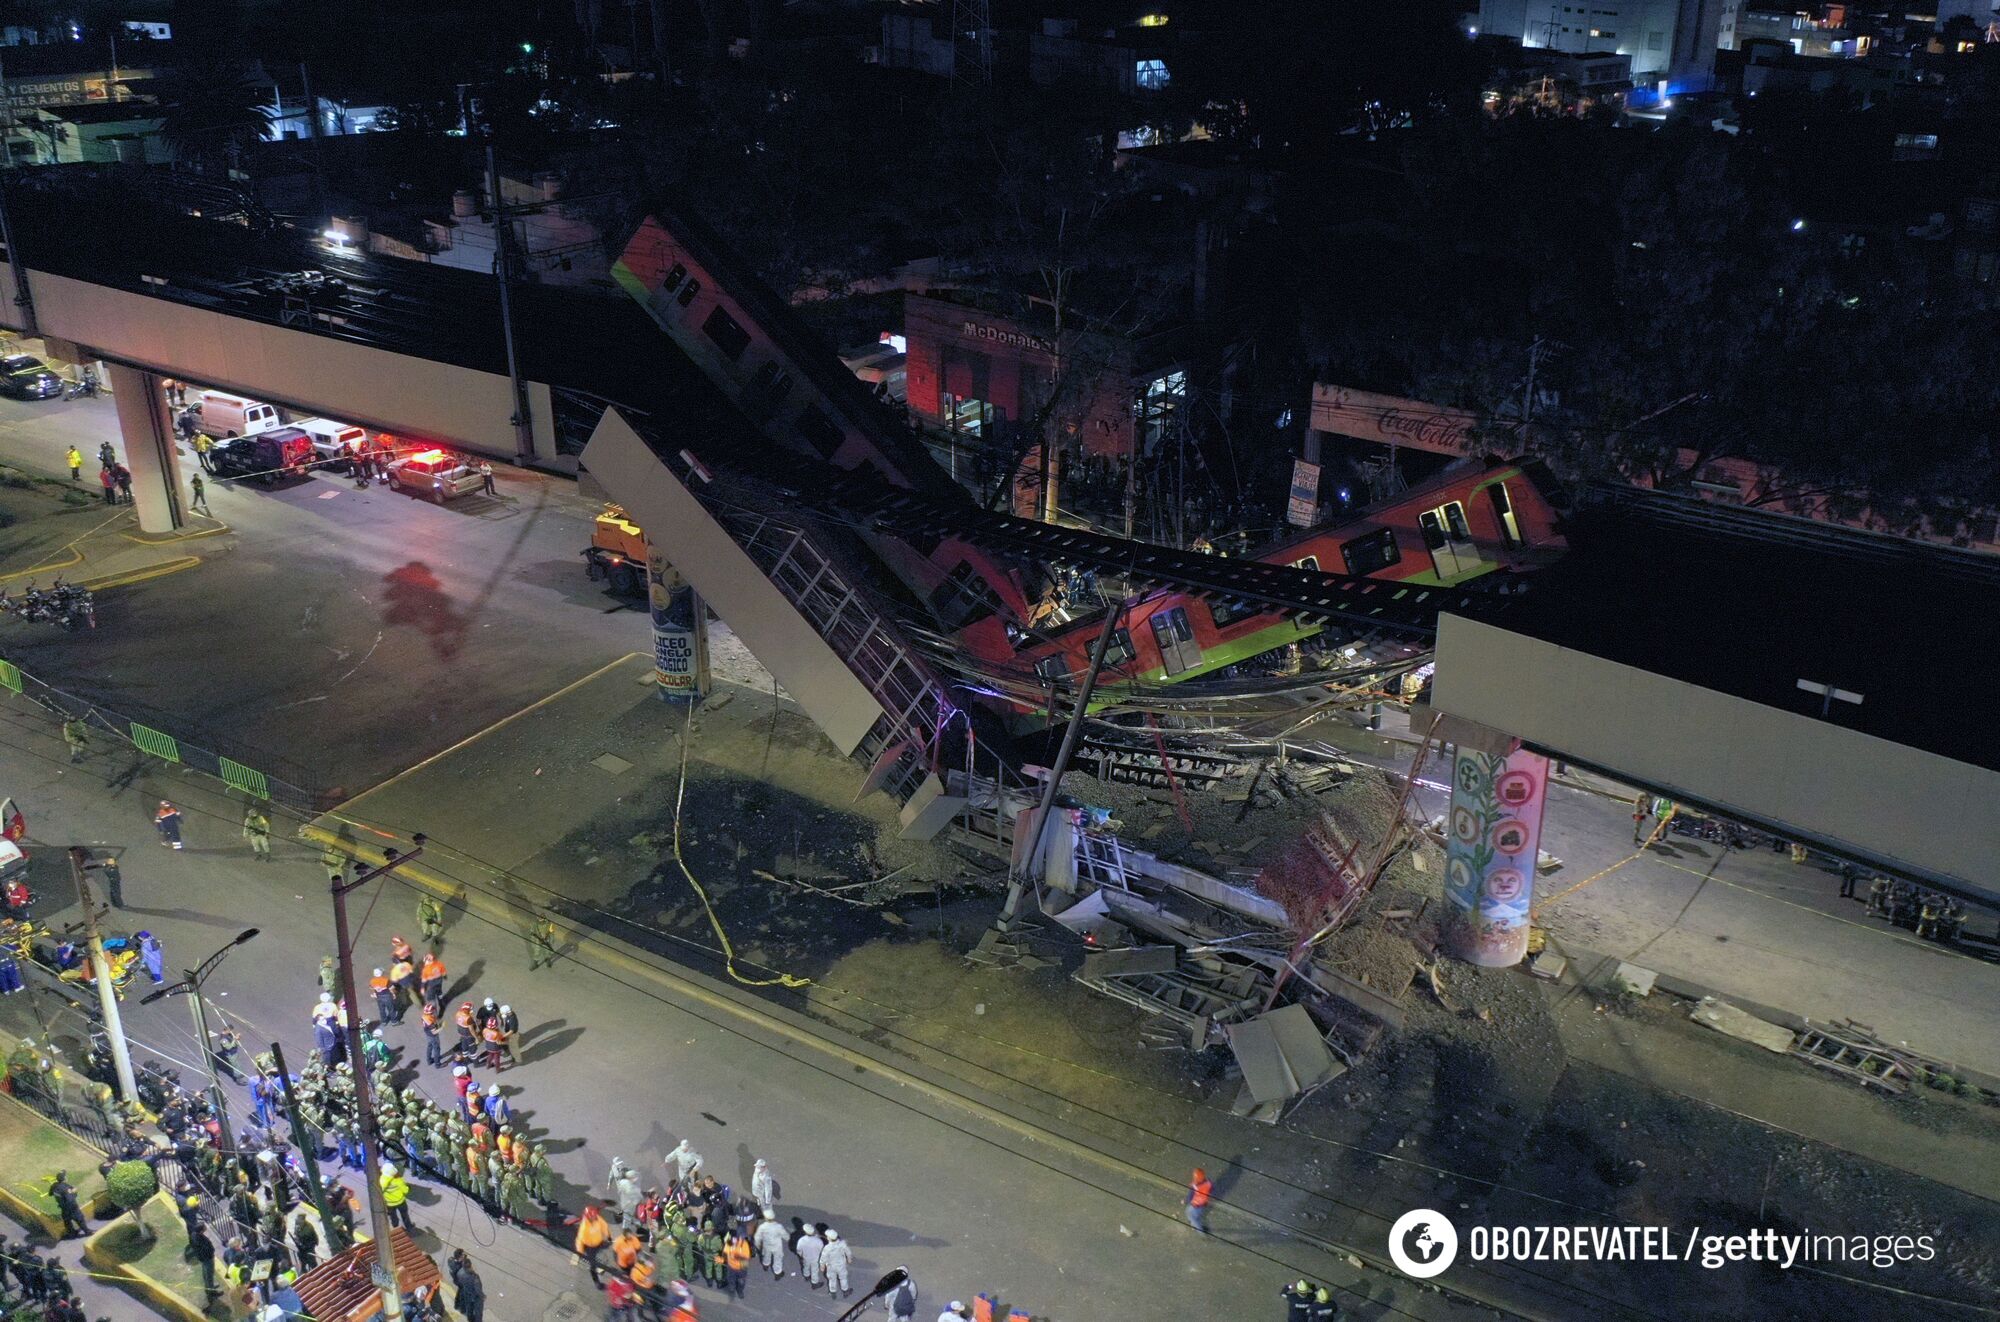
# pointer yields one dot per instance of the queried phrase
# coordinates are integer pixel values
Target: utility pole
(320, 216)
(384, 1274)
(107, 995)
(314, 1189)
(503, 270)
(1040, 830)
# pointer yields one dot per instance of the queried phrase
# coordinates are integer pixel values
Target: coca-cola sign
(1392, 420)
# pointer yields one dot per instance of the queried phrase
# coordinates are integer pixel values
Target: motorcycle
(63, 604)
(84, 387)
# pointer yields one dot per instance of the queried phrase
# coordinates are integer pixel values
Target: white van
(331, 441)
(225, 415)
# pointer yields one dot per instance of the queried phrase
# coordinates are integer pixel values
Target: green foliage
(131, 1183)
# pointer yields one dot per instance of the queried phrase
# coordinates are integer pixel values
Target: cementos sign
(1393, 420)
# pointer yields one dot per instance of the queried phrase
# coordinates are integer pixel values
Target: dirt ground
(1476, 1101)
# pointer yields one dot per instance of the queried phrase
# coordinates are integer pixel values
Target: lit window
(1153, 20)
(1151, 75)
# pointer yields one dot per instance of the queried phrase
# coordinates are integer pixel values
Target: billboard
(1392, 420)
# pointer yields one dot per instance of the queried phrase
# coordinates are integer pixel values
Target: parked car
(435, 475)
(336, 443)
(24, 376)
(268, 456)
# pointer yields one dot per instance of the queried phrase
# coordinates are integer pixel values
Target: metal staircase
(914, 706)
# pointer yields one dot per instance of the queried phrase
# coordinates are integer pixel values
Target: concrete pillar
(1493, 836)
(680, 632)
(148, 448)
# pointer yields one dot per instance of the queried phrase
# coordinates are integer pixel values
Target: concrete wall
(355, 383)
(1912, 811)
(708, 557)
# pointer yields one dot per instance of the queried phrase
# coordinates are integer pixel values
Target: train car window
(1053, 669)
(1224, 611)
(820, 432)
(1119, 650)
(729, 337)
(1310, 564)
(772, 382)
(1374, 552)
(1433, 529)
(688, 291)
(674, 278)
(1454, 522)
(1503, 509)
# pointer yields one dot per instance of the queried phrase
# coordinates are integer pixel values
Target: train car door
(1449, 539)
(1179, 651)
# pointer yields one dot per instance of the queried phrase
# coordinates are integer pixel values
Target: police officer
(64, 1194)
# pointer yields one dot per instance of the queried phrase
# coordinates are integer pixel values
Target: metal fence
(258, 773)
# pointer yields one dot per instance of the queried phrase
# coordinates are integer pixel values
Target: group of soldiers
(1932, 915)
(471, 1146)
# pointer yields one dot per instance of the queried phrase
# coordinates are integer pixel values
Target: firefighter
(1927, 918)
(167, 821)
(1878, 897)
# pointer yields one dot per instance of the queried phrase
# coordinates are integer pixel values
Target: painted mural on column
(1495, 831)
(680, 633)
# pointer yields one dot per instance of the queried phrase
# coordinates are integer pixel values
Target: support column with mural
(1493, 837)
(680, 632)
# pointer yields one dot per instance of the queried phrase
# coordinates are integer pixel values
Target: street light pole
(190, 985)
(107, 995)
(384, 1274)
(208, 1058)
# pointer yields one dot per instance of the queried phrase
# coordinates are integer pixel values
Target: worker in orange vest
(644, 1274)
(385, 999)
(1200, 1190)
(736, 1260)
(625, 1249)
(591, 1236)
(468, 1040)
(431, 974)
(496, 1043)
(684, 1309)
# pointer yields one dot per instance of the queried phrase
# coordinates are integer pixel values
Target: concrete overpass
(396, 346)
(1668, 650)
